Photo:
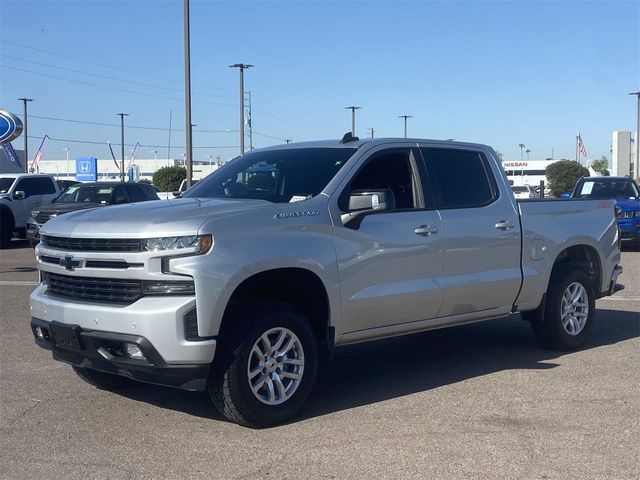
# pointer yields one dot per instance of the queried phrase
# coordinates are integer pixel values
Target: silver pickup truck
(285, 253)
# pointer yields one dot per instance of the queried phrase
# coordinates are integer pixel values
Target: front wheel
(568, 311)
(267, 366)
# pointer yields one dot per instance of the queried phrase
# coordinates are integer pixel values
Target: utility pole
(242, 67)
(636, 166)
(187, 93)
(122, 115)
(353, 118)
(405, 123)
(249, 123)
(371, 131)
(26, 133)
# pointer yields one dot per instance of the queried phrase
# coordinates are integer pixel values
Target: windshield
(279, 176)
(86, 194)
(5, 184)
(607, 189)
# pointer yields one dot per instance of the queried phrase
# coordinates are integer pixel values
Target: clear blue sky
(500, 73)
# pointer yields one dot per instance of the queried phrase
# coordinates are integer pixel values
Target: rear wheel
(103, 380)
(267, 366)
(568, 311)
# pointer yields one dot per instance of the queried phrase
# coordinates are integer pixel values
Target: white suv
(19, 194)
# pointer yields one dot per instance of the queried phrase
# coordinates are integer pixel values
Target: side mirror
(177, 193)
(19, 195)
(365, 202)
(565, 195)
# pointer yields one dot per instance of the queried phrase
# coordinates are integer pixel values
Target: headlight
(34, 213)
(201, 243)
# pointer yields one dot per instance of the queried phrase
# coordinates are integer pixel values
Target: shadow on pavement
(368, 373)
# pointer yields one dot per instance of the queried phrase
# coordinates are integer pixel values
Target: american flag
(581, 149)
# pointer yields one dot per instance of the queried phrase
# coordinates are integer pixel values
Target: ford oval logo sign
(10, 127)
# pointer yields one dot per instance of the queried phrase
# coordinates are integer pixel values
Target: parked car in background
(627, 196)
(176, 193)
(19, 194)
(524, 191)
(87, 195)
(64, 184)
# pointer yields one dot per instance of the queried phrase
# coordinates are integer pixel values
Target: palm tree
(522, 146)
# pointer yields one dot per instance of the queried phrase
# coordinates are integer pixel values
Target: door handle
(425, 230)
(504, 225)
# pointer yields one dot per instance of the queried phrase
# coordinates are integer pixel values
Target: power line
(106, 77)
(108, 88)
(86, 122)
(89, 142)
(99, 64)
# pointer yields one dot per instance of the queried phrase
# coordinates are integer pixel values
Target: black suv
(87, 195)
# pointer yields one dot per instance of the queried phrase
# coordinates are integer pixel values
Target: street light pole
(26, 133)
(637, 165)
(405, 123)
(242, 67)
(122, 115)
(155, 154)
(353, 118)
(187, 93)
(66, 149)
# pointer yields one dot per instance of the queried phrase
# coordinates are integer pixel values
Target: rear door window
(459, 178)
(36, 186)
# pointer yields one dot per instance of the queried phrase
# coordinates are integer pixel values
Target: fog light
(39, 333)
(133, 351)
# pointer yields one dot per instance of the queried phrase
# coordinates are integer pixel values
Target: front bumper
(158, 319)
(105, 351)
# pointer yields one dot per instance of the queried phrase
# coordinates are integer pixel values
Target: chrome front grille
(92, 244)
(109, 290)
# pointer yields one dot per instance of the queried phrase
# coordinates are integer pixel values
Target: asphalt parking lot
(478, 401)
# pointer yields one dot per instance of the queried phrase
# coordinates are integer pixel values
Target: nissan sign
(10, 127)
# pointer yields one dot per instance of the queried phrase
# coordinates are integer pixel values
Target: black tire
(6, 228)
(103, 380)
(229, 383)
(548, 324)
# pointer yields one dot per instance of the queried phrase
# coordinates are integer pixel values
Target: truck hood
(628, 205)
(60, 208)
(158, 218)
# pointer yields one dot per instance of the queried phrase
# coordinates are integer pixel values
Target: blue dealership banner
(11, 154)
(86, 169)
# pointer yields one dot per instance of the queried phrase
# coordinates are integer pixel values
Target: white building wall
(107, 170)
(623, 153)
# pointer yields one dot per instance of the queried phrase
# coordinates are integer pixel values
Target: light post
(210, 156)
(405, 123)
(637, 165)
(187, 93)
(122, 115)
(155, 154)
(353, 118)
(26, 133)
(242, 67)
(288, 140)
(66, 150)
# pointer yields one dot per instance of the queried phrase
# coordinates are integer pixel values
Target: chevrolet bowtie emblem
(69, 263)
